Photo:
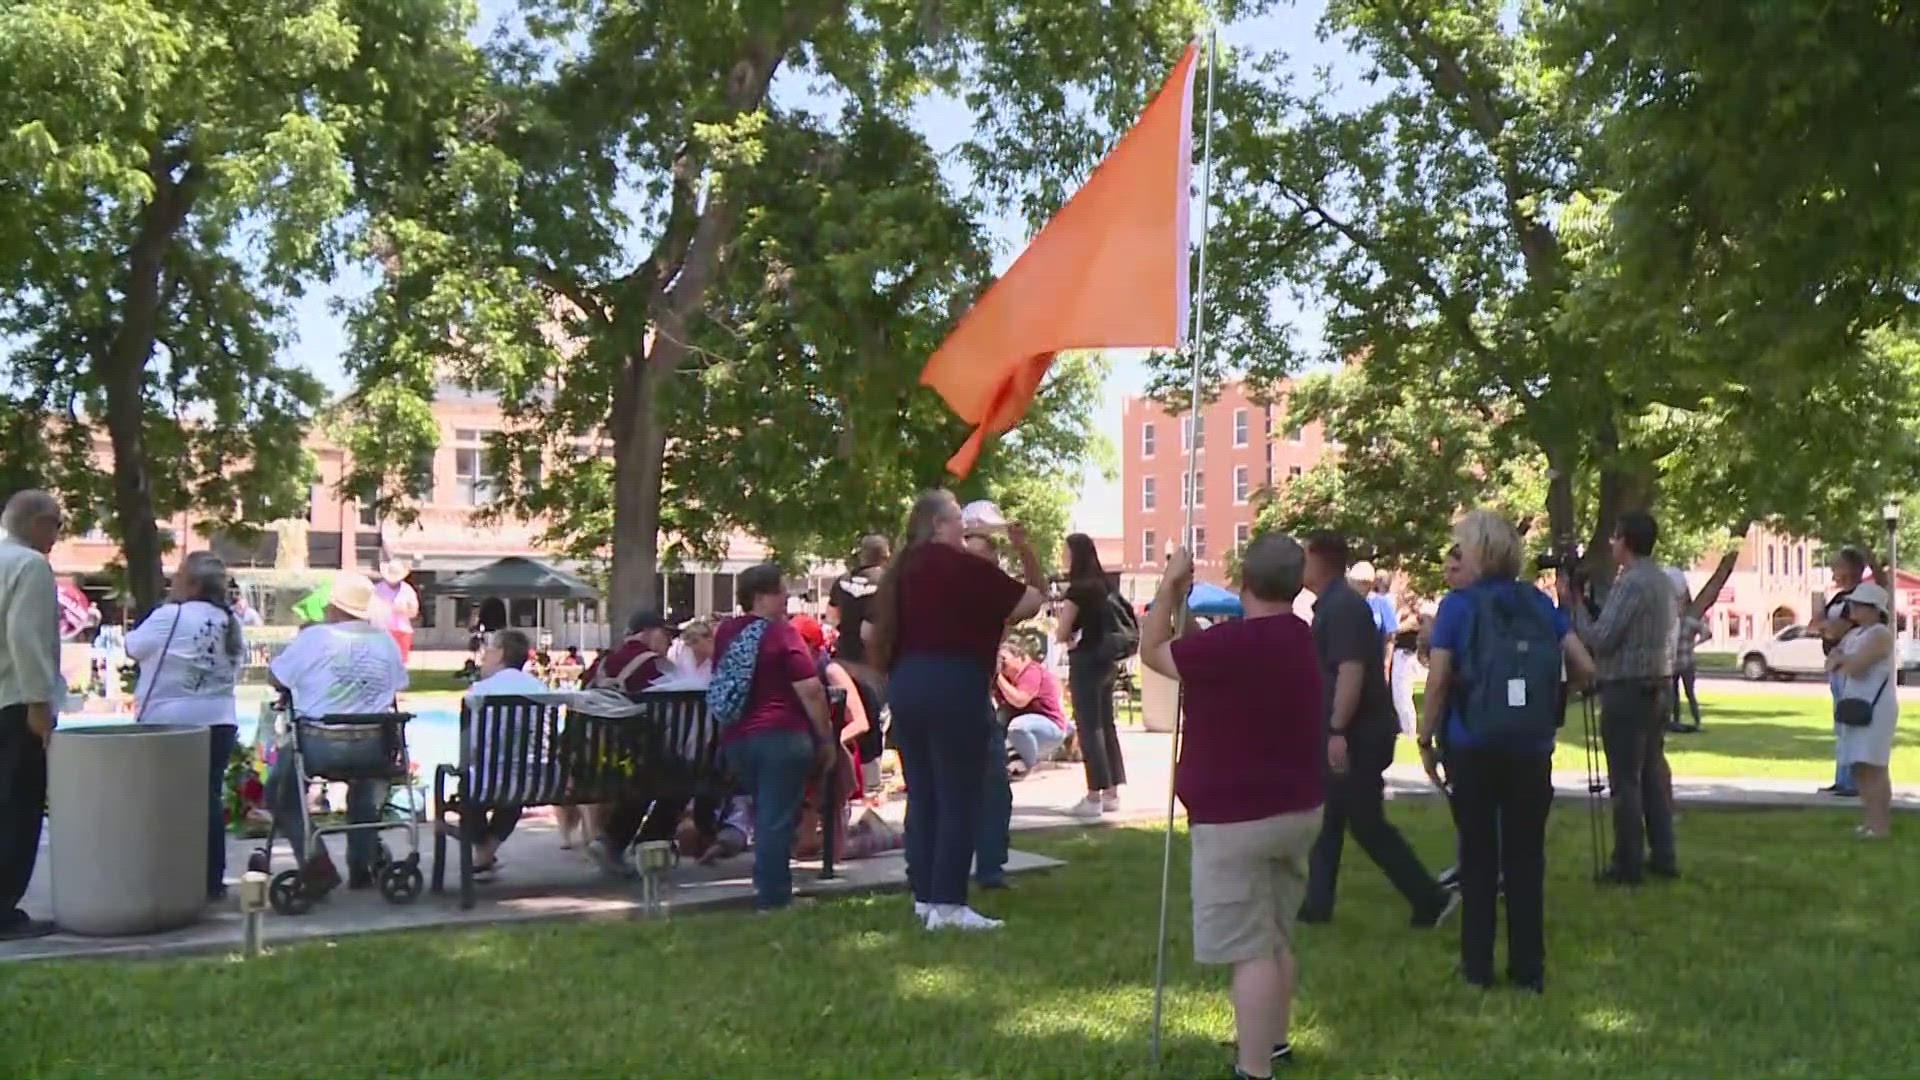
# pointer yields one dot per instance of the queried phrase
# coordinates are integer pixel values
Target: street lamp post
(1890, 513)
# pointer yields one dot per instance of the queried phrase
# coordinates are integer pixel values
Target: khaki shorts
(1248, 880)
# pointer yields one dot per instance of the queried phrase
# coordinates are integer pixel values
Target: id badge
(1516, 693)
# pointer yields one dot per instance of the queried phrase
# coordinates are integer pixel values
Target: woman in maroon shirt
(783, 734)
(936, 626)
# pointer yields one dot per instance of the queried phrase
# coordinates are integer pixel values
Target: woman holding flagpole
(935, 630)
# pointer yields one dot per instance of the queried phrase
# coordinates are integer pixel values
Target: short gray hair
(25, 508)
(207, 572)
(1272, 567)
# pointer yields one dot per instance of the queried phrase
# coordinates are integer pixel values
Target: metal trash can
(127, 824)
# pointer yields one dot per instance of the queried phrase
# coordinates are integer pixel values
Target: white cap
(1869, 594)
(982, 514)
(1361, 571)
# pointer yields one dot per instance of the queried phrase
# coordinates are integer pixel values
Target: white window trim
(1242, 485)
(1149, 440)
(1149, 494)
(1242, 428)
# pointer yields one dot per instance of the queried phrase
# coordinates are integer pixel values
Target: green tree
(1459, 227)
(574, 251)
(171, 177)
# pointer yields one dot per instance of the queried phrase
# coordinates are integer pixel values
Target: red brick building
(1238, 451)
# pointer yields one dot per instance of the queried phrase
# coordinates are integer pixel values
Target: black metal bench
(537, 751)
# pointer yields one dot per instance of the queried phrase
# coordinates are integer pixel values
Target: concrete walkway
(538, 880)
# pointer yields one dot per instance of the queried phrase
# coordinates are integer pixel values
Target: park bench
(541, 751)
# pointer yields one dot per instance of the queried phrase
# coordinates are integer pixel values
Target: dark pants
(941, 716)
(1684, 680)
(1090, 683)
(646, 819)
(220, 742)
(772, 768)
(1501, 798)
(23, 802)
(489, 826)
(996, 810)
(1633, 727)
(872, 742)
(365, 801)
(1356, 801)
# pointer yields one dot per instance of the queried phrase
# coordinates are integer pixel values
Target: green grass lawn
(1786, 951)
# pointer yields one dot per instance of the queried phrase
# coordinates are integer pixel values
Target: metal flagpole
(1199, 348)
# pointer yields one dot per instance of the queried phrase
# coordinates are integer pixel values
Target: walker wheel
(401, 883)
(286, 895)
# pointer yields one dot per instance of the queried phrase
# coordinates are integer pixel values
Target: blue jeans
(220, 742)
(366, 799)
(941, 719)
(1034, 738)
(772, 769)
(996, 812)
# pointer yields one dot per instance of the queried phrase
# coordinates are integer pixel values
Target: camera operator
(1632, 642)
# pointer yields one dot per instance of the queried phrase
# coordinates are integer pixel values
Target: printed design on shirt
(209, 666)
(859, 587)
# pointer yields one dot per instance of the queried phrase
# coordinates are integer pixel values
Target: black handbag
(1858, 712)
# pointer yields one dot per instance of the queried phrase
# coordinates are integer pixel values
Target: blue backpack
(732, 681)
(1509, 677)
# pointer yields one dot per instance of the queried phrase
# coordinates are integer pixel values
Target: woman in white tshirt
(190, 651)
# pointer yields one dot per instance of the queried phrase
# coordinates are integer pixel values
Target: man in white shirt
(502, 674)
(340, 666)
(31, 692)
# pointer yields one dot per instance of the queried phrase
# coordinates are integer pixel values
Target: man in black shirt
(1361, 732)
(849, 599)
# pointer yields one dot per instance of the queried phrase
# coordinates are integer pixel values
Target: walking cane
(1180, 614)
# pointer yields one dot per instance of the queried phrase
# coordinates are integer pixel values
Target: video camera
(1571, 561)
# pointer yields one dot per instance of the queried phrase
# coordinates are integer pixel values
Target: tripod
(1599, 815)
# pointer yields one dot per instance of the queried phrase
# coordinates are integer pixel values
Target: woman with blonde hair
(1867, 706)
(1500, 774)
(935, 629)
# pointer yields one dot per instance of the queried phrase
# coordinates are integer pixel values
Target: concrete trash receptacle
(127, 824)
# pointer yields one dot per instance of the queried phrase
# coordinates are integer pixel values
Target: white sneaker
(1110, 803)
(1086, 809)
(921, 910)
(961, 918)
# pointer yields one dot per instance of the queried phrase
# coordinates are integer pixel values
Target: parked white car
(1796, 653)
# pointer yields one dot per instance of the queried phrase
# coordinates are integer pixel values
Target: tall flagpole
(1199, 352)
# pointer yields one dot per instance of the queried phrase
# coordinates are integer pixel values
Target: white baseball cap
(1869, 594)
(1361, 571)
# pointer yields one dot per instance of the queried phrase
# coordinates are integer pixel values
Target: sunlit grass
(1785, 951)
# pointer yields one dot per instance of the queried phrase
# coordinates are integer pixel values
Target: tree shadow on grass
(1782, 934)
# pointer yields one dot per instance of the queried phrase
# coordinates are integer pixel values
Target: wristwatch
(1425, 742)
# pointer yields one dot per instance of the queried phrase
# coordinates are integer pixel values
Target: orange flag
(1109, 271)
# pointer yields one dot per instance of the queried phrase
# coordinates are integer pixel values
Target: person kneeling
(1249, 775)
(1032, 695)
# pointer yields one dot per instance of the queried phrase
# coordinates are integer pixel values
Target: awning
(450, 564)
(515, 578)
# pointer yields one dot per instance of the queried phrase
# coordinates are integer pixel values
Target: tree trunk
(639, 451)
(1562, 517)
(124, 376)
(1710, 592)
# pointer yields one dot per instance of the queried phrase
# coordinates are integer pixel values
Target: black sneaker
(1667, 873)
(1283, 1053)
(16, 926)
(1242, 1074)
(1613, 876)
(1839, 792)
(1314, 918)
(1449, 878)
(1427, 920)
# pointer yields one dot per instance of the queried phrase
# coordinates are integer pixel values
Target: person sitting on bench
(502, 674)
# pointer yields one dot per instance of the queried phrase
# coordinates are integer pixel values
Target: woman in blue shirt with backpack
(1494, 677)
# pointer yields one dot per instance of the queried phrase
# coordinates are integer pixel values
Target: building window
(1149, 548)
(1146, 440)
(1199, 542)
(1242, 532)
(1293, 472)
(1242, 485)
(1771, 554)
(369, 514)
(1239, 427)
(1147, 500)
(1192, 438)
(1800, 560)
(1193, 489)
(471, 476)
(1295, 435)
